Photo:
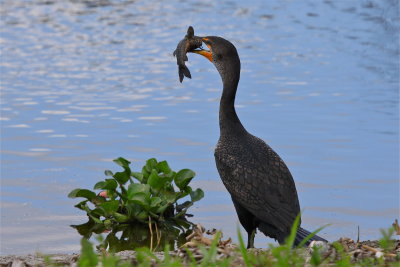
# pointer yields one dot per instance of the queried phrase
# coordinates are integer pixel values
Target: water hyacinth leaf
(82, 193)
(183, 193)
(141, 199)
(185, 205)
(155, 202)
(169, 177)
(183, 178)
(145, 174)
(196, 195)
(133, 189)
(111, 185)
(82, 205)
(97, 200)
(108, 173)
(108, 184)
(120, 217)
(94, 218)
(122, 162)
(168, 196)
(163, 166)
(132, 208)
(151, 164)
(155, 181)
(121, 177)
(143, 215)
(85, 229)
(97, 212)
(138, 176)
(99, 185)
(110, 207)
(162, 208)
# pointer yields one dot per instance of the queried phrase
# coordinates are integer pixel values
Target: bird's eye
(206, 41)
(219, 56)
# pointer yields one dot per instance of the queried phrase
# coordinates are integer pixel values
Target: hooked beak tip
(205, 53)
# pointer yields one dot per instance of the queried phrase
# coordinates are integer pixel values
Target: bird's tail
(303, 233)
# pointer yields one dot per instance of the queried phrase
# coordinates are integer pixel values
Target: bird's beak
(205, 53)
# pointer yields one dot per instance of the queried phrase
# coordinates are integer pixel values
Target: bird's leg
(250, 240)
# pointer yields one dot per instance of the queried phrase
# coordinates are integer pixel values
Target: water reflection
(87, 81)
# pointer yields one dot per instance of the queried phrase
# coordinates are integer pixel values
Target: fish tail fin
(184, 71)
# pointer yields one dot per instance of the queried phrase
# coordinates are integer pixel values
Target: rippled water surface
(83, 82)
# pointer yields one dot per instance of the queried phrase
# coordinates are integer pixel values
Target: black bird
(259, 182)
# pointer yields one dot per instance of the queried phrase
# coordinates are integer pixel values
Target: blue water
(84, 82)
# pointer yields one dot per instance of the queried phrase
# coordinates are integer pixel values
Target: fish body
(189, 43)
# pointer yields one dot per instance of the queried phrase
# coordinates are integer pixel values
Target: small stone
(321, 245)
(18, 263)
(379, 254)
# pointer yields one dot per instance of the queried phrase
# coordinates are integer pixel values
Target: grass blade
(293, 231)
(305, 240)
(243, 249)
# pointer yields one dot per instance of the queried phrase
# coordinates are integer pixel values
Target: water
(84, 82)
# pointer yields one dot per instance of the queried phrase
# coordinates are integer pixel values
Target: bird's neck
(229, 122)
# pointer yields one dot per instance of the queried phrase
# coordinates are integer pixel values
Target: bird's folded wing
(261, 182)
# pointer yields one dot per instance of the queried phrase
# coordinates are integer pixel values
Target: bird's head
(222, 54)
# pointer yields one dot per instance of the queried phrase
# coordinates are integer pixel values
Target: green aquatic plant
(150, 199)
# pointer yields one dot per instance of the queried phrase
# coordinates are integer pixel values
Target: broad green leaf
(133, 189)
(145, 174)
(141, 199)
(121, 177)
(107, 223)
(85, 229)
(120, 217)
(155, 181)
(168, 196)
(82, 193)
(110, 206)
(132, 208)
(108, 184)
(182, 208)
(151, 164)
(143, 215)
(138, 176)
(97, 200)
(99, 185)
(183, 193)
(108, 173)
(82, 205)
(183, 178)
(163, 167)
(122, 162)
(162, 208)
(196, 195)
(88, 257)
(97, 212)
(155, 202)
(184, 205)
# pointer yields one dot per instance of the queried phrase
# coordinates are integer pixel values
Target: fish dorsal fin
(190, 32)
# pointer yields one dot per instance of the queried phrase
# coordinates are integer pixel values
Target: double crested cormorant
(259, 182)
